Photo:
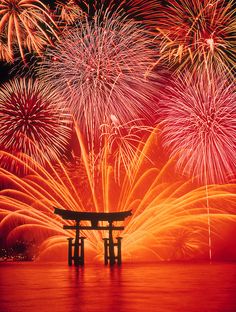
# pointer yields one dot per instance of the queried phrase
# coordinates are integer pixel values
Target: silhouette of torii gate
(94, 218)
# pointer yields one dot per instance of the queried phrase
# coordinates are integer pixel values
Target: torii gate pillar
(112, 251)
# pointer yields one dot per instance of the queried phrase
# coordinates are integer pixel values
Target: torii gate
(94, 218)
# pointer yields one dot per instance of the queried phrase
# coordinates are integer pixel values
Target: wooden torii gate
(77, 255)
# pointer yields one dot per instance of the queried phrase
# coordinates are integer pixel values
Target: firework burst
(31, 120)
(197, 33)
(5, 55)
(168, 220)
(200, 125)
(25, 25)
(69, 12)
(144, 11)
(124, 143)
(101, 67)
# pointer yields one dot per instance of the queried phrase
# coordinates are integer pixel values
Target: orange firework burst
(69, 12)
(24, 25)
(197, 33)
(31, 120)
(168, 220)
(4, 52)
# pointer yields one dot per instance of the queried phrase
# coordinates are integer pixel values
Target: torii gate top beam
(94, 217)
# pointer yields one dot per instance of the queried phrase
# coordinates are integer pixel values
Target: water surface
(41, 287)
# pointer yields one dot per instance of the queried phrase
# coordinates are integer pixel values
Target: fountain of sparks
(199, 126)
(168, 221)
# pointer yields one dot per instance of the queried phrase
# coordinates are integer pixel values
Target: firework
(200, 125)
(25, 25)
(69, 12)
(168, 220)
(123, 143)
(4, 52)
(144, 11)
(31, 120)
(196, 33)
(101, 67)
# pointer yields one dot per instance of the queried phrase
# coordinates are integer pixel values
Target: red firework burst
(197, 33)
(200, 125)
(32, 121)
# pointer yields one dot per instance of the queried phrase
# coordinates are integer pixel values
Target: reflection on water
(130, 288)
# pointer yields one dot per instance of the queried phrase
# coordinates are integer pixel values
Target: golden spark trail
(168, 221)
